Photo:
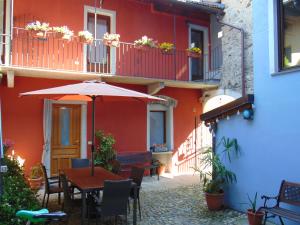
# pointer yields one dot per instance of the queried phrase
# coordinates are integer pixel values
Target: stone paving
(173, 201)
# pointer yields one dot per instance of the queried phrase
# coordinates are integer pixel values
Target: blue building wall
(270, 144)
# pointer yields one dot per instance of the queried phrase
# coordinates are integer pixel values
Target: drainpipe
(241, 30)
(8, 29)
(175, 47)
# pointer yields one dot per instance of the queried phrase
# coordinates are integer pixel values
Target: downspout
(8, 30)
(241, 30)
(175, 47)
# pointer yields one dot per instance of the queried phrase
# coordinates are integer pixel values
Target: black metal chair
(136, 175)
(116, 166)
(80, 163)
(52, 186)
(114, 200)
(69, 204)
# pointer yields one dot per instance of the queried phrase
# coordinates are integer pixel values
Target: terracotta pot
(169, 52)
(111, 43)
(83, 40)
(142, 47)
(35, 184)
(255, 218)
(58, 35)
(214, 201)
(193, 54)
(161, 170)
(39, 34)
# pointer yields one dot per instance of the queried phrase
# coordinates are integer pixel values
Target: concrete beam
(10, 79)
(155, 87)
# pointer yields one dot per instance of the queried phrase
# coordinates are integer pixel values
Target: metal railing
(52, 53)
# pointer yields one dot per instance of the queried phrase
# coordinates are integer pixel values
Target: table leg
(135, 205)
(83, 207)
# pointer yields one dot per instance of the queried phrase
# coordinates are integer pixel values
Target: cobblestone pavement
(173, 202)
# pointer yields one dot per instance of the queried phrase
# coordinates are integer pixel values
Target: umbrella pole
(93, 134)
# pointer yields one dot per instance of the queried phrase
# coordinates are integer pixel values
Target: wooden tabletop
(82, 179)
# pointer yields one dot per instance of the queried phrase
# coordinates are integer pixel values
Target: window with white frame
(159, 128)
(288, 34)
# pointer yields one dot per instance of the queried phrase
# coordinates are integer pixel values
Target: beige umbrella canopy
(89, 91)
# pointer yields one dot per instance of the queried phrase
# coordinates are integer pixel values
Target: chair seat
(55, 189)
(283, 213)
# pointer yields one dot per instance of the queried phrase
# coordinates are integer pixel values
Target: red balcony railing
(55, 54)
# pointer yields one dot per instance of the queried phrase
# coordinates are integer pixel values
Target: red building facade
(30, 63)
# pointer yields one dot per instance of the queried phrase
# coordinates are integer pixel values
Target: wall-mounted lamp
(248, 114)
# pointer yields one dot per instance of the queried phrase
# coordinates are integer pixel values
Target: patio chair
(80, 163)
(114, 200)
(52, 186)
(116, 166)
(137, 174)
(68, 204)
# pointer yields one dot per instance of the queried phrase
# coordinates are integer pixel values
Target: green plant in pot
(35, 178)
(105, 152)
(254, 217)
(214, 174)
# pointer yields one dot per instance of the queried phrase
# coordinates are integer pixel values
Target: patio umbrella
(89, 91)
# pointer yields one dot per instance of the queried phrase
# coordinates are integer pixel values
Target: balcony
(125, 64)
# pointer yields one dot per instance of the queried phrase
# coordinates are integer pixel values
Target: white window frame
(169, 124)
(205, 51)
(112, 15)
(273, 36)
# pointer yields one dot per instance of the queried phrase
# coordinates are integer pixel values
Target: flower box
(193, 54)
(85, 37)
(111, 40)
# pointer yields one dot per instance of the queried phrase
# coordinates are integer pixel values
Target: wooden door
(66, 134)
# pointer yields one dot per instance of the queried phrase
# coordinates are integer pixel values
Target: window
(157, 128)
(197, 40)
(289, 33)
(98, 54)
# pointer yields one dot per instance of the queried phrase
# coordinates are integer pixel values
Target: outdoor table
(81, 178)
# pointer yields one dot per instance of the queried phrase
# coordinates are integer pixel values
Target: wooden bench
(289, 194)
(138, 159)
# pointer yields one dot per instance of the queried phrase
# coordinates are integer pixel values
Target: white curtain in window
(97, 51)
(47, 121)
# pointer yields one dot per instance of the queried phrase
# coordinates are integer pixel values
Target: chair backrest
(67, 205)
(134, 158)
(80, 163)
(115, 197)
(44, 171)
(116, 166)
(289, 193)
(137, 174)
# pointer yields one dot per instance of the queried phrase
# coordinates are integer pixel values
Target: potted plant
(254, 217)
(105, 152)
(35, 178)
(111, 40)
(38, 29)
(215, 175)
(7, 145)
(145, 43)
(161, 169)
(63, 33)
(166, 48)
(85, 37)
(194, 52)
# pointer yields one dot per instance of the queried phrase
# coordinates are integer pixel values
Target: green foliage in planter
(214, 174)
(17, 195)
(105, 151)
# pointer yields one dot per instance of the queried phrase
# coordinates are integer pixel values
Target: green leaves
(252, 203)
(17, 195)
(213, 173)
(230, 146)
(105, 151)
